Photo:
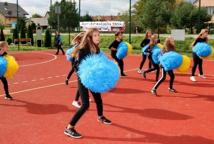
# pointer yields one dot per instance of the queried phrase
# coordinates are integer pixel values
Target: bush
(2, 38)
(47, 38)
(15, 34)
(30, 34)
(9, 41)
(23, 34)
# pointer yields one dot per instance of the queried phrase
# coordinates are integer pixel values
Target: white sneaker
(76, 104)
(139, 71)
(90, 100)
(192, 78)
(202, 76)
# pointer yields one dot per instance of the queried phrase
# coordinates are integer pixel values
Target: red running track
(42, 107)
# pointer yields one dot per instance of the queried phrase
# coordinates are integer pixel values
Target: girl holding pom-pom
(76, 41)
(88, 46)
(169, 45)
(202, 37)
(152, 43)
(145, 42)
(3, 52)
(113, 47)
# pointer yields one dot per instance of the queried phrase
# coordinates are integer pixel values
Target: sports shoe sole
(72, 135)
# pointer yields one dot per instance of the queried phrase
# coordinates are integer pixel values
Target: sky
(93, 7)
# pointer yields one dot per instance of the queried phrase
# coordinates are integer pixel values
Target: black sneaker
(66, 82)
(8, 97)
(172, 90)
(104, 120)
(72, 133)
(123, 74)
(153, 91)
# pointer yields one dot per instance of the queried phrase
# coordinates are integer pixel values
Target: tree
(125, 17)
(156, 14)
(181, 17)
(153, 14)
(30, 34)
(23, 33)
(199, 18)
(21, 24)
(86, 17)
(33, 26)
(69, 17)
(2, 38)
(47, 38)
(187, 16)
(15, 34)
(36, 15)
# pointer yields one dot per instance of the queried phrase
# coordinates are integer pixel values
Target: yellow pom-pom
(211, 54)
(12, 66)
(130, 48)
(185, 64)
(160, 45)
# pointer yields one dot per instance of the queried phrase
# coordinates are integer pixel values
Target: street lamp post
(79, 14)
(130, 21)
(58, 12)
(17, 12)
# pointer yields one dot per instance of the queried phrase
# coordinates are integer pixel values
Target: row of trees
(166, 14)
(23, 30)
(157, 15)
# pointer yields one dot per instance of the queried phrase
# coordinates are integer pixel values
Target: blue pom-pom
(122, 50)
(156, 53)
(3, 66)
(171, 60)
(144, 48)
(68, 53)
(202, 49)
(98, 73)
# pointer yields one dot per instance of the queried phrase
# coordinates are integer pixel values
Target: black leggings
(155, 67)
(4, 81)
(71, 71)
(59, 47)
(144, 60)
(172, 77)
(83, 91)
(77, 95)
(120, 63)
(197, 61)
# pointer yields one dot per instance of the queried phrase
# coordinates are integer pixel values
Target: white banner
(103, 25)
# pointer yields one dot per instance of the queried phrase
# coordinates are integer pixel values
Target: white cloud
(93, 7)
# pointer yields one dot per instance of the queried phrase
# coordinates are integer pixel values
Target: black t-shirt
(145, 42)
(114, 44)
(83, 53)
(200, 40)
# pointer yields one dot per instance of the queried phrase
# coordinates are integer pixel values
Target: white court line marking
(47, 86)
(15, 83)
(57, 84)
(39, 63)
(39, 79)
(37, 88)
